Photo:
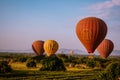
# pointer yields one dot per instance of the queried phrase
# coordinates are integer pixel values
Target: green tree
(30, 63)
(52, 63)
(4, 67)
(112, 72)
(91, 63)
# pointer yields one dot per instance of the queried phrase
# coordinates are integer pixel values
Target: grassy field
(50, 75)
(22, 66)
(21, 72)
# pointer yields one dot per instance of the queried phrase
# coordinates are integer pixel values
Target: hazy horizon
(24, 21)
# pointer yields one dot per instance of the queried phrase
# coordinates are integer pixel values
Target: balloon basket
(91, 56)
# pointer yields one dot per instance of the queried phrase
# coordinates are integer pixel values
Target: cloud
(116, 2)
(106, 9)
(104, 5)
(109, 10)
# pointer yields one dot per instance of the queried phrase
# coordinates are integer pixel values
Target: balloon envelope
(105, 48)
(37, 47)
(91, 31)
(50, 47)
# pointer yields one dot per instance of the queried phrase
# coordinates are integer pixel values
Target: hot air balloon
(91, 31)
(50, 47)
(105, 48)
(37, 47)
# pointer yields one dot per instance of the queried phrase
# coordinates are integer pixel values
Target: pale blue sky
(23, 21)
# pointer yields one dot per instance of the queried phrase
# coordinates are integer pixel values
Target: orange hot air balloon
(91, 31)
(37, 47)
(105, 48)
(50, 47)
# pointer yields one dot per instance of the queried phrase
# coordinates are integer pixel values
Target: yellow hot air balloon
(50, 47)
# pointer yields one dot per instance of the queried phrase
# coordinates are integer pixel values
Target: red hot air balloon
(37, 47)
(105, 48)
(91, 31)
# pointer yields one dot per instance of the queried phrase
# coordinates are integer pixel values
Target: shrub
(91, 63)
(113, 69)
(31, 63)
(52, 63)
(21, 59)
(4, 67)
(117, 71)
(98, 64)
(112, 72)
(71, 59)
(84, 60)
(63, 57)
(38, 58)
(103, 75)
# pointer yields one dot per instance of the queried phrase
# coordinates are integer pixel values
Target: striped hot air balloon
(37, 47)
(91, 31)
(105, 48)
(50, 47)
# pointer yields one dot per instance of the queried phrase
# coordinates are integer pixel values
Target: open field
(21, 72)
(50, 75)
(22, 66)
